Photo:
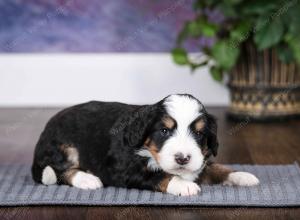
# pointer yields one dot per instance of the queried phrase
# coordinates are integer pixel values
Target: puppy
(161, 147)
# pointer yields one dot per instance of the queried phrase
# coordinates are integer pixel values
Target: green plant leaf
(201, 27)
(241, 31)
(180, 56)
(291, 18)
(193, 28)
(294, 43)
(262, 7)
(224, 54)
(285, 54)
(208, 30)
(269, 32)
(216, 73)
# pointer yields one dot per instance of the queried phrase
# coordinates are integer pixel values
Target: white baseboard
(66, 79)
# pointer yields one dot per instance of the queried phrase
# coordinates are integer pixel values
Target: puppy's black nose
(181, 159)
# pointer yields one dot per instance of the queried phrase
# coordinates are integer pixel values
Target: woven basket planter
(262, 87)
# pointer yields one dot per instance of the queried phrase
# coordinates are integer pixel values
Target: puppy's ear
(138, 124)
(212, 139)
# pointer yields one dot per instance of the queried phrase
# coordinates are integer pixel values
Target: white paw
(84, 180)
(241, 179)
(49, 176)
(181, 187)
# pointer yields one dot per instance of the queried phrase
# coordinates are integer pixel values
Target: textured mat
(280, 186)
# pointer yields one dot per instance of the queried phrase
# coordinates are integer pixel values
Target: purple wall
(91, 25)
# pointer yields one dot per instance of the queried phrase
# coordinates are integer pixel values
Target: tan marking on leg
(163, 185)
(72, 154)
(68, 175)
(64, 146)
(214, 173)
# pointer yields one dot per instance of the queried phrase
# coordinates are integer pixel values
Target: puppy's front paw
(181, 187)
(241, 179)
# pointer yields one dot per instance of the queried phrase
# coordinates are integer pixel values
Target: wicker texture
(262, 86)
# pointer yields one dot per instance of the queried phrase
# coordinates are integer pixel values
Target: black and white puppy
(162, 147)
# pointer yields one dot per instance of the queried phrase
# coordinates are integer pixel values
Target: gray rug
(280, 186)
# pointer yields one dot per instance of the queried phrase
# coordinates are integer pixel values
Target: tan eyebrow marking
(169, 122)
(199, 125)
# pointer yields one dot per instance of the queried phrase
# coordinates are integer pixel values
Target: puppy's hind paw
(85, 180)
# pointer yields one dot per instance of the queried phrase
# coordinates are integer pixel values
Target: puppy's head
(179, 135)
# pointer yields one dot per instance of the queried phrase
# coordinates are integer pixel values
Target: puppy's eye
(199, 133)
(164, 131)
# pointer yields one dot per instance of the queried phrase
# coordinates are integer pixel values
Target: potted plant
(257, 43)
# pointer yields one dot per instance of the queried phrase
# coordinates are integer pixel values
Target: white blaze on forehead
(183, 109)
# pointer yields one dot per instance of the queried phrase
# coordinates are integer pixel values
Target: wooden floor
(245, 142)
